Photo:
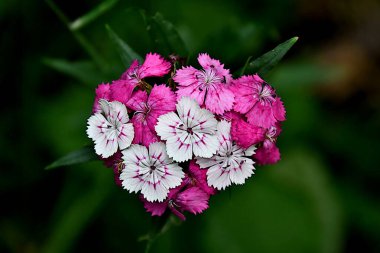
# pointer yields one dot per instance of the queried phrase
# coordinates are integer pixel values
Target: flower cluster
(179, 144)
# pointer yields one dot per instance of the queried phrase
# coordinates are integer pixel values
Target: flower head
(192, 131)
(209, 86)
(258, 101)
(147, 109)
(150, 171)
(230, 164)
(153, 66)
(109, 128)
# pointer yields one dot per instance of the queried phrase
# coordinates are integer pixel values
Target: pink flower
(209, 86)
(102, 92)
(153, 66)
(147, 109)
(257, 100)
(243, 133)
(180, 199)
(269, 153)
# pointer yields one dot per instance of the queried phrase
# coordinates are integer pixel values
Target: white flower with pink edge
(150, 171)
(192, 131)
(109, 128)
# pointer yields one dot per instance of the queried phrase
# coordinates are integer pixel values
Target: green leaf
(267, 61)
(165, 36)
(82, 155)
(92, 15)
(127, 54)
(84, 71)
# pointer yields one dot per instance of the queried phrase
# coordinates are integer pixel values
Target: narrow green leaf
(82, 155)
(127, 54)
(267, 61)
(82, 40)
(92, 15)
(84, 71)
(165, 36)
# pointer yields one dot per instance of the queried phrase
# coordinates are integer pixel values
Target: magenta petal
(261, 115)
(102, 92)
(155, 208)
(186, 76)
(243, 90)
(193, 200)
(207, 62)
(245, 134)
(267, 154)
(279, 110)
(154, 65)
(137, 101)
(131, 72)
(198, 177)
(121, 90)
(219, 100)
(143, 134)
(161, 100)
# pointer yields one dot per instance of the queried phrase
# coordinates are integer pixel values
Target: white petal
(218, 177)
(105, 107)
(97, 125)
(167, 125)
(206, 162)
(240, 174)
(107, 144)
(205, 122)
(136, 154)
(205, 145)
(188, 109)
(158, 155)
(250, 151)
(130, 179)
(126, 134)
(118, 112)
(178, 150)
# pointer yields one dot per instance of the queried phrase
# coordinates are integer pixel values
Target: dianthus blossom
(186, 137)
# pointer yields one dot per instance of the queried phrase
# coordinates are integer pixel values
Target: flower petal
(137, 101)
(193, 200)
(121, 90)
(154, 65)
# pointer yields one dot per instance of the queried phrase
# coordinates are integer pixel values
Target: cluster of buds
(177, 135)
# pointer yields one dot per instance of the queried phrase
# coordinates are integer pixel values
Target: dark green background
(321, 197)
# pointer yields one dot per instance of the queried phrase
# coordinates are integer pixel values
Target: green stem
(161, 226)
(91, 51)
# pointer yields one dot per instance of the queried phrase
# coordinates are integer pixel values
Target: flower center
(189, 130)
(266, 94)
(208, 77)
(271, 133)
(152, 168)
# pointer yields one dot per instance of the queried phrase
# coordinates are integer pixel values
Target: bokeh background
(323, 196)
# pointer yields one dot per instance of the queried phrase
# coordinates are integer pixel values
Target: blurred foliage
(321, 197)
